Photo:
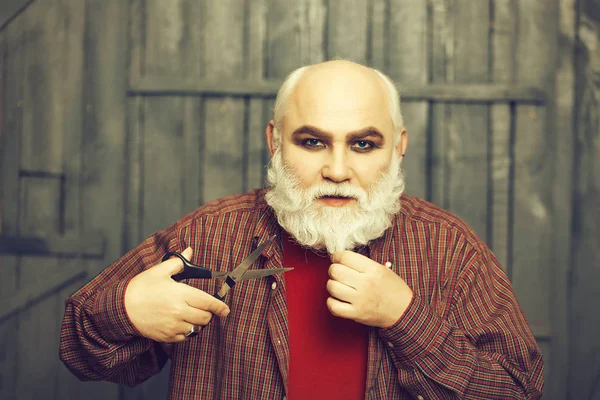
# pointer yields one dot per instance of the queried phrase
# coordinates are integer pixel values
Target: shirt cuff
(418, 332)
(110, 316)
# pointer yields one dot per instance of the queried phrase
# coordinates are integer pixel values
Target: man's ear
(270, 139)
(402, 144)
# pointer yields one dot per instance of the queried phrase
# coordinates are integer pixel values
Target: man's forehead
(339, 98)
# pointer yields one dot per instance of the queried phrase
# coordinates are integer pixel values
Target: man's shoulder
(227, 206)
(418, 211)
(238, 203)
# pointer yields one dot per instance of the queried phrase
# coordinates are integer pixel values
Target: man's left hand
(366, 291)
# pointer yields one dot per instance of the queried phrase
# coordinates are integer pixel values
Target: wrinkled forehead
(339, 100)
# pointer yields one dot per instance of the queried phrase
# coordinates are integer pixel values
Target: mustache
(335, 190)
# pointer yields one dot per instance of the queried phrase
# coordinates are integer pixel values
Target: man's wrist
(395, 317)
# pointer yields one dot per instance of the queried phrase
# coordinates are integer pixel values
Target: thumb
(174, 264)
(187, 253)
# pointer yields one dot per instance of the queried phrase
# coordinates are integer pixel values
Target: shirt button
(420, 397)
(390, 345)
(388, 264)
(274, 285)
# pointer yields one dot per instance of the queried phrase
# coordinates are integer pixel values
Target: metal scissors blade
(238, 273)
(251, 273)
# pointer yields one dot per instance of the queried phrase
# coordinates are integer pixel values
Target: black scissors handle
(237, 275)
(190, 271)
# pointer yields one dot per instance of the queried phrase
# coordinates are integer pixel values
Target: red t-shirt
(328, 355)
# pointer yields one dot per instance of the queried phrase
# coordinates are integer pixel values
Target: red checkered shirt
(463, 335)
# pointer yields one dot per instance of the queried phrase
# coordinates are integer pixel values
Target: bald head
(334, 90)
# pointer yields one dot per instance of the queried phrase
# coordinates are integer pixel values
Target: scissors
(239, 273)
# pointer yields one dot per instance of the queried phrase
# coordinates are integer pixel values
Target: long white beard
(318, 226)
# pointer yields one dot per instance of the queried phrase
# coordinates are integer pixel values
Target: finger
(353, 260)
(179, 338)
(174, 264)
(344, 274)
(201, 300)
(340, 291)
(196, 316)
(180, 328)
(337, 256)
(339, 308)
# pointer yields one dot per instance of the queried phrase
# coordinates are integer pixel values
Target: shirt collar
(266, 226)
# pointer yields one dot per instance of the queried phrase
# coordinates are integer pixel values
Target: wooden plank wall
(584, 371)
(12, 65)
(41, 184)
(134, 164)
(562, 198)
(533, 167)
(60, 105)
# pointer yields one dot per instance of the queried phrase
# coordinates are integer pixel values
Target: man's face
(335, 178)
(337, 131)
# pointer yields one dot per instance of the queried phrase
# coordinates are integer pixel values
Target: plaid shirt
(463, 335)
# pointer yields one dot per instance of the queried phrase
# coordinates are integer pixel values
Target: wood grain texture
(69, 75)
(10, 9)
(69, 245)
(71, 72)
(104, 126)
(467, 143)
(3, 88)
(442, 46)
(255, 119)
(8, 330)
(584, 373)
(43, 134)
(347, 28)
(49, 202)
(135, 127)
(168, 85)
(534, 157)
(563, 203)
(503, 45)
(39, 214)
(50, 281)
(376, 54)
(295, 35)
(133, 174)
(165, 177)
(103, 142)
(408, 62)
(13, 55)
(37, 362)
(223, 125)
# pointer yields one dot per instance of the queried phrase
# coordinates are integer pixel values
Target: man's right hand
(164, 310)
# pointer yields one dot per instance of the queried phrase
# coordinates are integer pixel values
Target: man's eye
(313, 143)
(362, 145)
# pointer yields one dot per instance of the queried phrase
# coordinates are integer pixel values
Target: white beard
(318, 226)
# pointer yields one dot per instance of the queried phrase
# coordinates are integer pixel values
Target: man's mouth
(335, 201)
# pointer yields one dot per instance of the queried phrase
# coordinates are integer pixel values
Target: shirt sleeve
(98, 340)
(483, 348)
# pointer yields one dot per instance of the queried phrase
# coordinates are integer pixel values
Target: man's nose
(336, 167)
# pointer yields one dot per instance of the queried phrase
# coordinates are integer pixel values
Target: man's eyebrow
(366, 132)
(355, 135)
(312, 130)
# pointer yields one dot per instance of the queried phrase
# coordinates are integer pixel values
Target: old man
(390, 296)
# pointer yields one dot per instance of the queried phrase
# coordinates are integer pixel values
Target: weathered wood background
(117, 118)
